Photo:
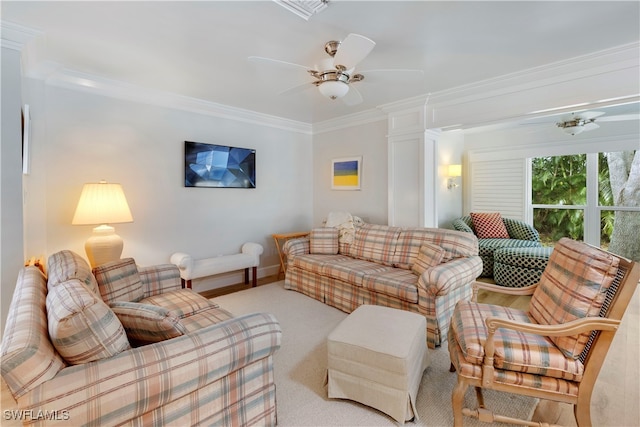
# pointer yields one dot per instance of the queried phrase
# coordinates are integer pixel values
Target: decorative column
(412, 154)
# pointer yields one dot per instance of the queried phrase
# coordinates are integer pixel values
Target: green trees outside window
(594, 195)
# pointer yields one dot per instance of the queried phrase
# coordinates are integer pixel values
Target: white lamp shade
(573, 130)
(102, 203)
(455, 170)
(333, 89)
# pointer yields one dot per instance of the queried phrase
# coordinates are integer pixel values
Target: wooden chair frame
(593, 356)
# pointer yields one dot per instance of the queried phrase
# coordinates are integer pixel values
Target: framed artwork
(221, 166)
(346, 173)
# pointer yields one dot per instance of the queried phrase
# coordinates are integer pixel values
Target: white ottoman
(377, 356)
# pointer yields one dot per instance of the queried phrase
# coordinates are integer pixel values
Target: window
(592, 197)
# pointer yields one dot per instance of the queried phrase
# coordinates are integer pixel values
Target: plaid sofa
(384, 265)
(217, 371)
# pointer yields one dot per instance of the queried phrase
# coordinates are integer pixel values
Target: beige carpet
(300, 367)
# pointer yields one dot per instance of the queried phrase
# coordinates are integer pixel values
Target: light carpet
(301, 363)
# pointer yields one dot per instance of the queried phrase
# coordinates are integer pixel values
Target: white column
(412, 153)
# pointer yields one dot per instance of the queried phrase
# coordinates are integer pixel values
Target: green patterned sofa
(66, 359)
(522, 235)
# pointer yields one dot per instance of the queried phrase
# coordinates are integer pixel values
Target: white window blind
(497, 186)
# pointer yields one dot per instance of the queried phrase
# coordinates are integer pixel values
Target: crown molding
(350, 120)
(16, 36)
(74, 80)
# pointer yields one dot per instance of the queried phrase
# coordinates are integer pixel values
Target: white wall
(366, 140)
(81, 137)
(11, 247)
(450, 150)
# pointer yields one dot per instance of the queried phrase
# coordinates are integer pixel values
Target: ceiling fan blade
(590, 126)
(587, 115)
(297, 89)
(277, 62)
(619, 118)
(404, 75)
(353, 97)
(352, 50)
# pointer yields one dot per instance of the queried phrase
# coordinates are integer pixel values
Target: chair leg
(480, 398)
(582, 409)
(457, 398)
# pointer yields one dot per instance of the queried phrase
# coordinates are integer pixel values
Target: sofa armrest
(445, 277)
(293, 247)
(112, 391)
(159, 279)
(520, 230)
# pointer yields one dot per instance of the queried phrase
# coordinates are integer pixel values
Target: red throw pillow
(489, 225)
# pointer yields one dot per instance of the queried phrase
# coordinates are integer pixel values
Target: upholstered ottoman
(377, 356)
(519, 267)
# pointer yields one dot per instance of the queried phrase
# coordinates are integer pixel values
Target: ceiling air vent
(303, 8)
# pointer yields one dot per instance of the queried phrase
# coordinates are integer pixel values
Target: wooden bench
(195, 269)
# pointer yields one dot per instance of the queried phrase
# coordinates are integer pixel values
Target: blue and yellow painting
(346, 173)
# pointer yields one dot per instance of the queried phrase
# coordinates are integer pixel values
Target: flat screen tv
(211, 165)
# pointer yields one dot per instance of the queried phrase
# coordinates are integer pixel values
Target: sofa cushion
(352, 271)
(323, 241)
(376, 243)
(456, 244)
(489, 225)
(573, 285)
(428, 256)
(315, 263)
(146, 323)
(193, 310)
(81, 326)
(66, 265)
(119, 281)
(394, 282)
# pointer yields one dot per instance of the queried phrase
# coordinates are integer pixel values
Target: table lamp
(102, 203)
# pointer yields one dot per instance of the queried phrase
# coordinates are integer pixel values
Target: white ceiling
(200, 49)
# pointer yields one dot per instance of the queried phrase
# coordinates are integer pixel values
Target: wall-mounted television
(212, 165)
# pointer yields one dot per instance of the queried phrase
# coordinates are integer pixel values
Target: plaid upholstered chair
(555, 349)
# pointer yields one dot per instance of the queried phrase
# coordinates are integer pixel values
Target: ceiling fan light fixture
(333, 89)
(573, 130)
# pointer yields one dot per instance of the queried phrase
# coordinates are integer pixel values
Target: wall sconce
(102, 203)
(454, 171)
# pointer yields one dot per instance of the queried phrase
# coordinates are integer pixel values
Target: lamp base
(103, 246)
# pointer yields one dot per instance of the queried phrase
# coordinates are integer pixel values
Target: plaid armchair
(555, 349)
(219, 374)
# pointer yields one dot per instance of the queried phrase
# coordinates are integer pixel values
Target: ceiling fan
(575, 123)
(335, 75)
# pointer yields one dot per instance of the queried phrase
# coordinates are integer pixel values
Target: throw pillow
(489, 225)
(324, 241)
(66, 265)
(146, 323)
(573, 285)
(82, 327)
(428, 256)
(119, 281)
